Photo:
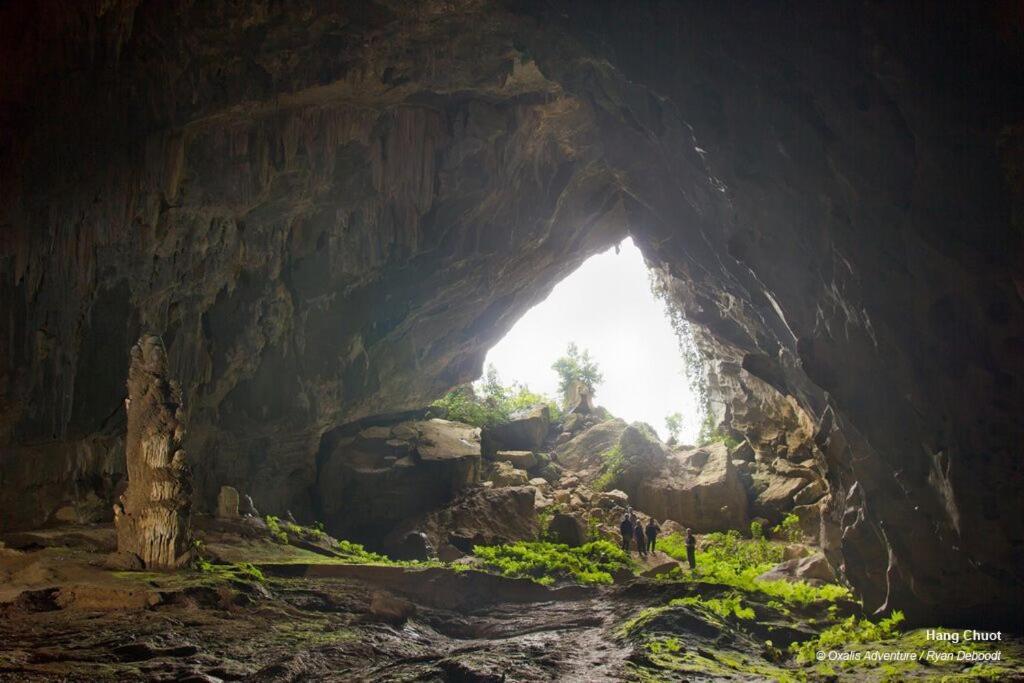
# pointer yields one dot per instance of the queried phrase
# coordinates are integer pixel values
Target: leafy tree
(575, 366)
(674, 425)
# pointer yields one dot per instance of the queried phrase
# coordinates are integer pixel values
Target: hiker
(638, 536)
(653, 529)
(626, 528)
(691, 549)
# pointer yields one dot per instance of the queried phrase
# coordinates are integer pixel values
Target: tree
(575, 366)
(674, 425)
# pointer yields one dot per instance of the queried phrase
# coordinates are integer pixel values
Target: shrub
(592, 563)
(789, 528)
(756, 530)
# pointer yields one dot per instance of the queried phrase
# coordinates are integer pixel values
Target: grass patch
(543, 562)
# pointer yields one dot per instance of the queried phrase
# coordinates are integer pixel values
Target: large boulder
(523, 460)
(523, 431)
(700, 489)
(584, 451)
(381, 475)
(479, 516)
(813, 569)
(504, 474)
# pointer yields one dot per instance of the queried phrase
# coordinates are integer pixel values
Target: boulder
(449, 553)
(543, 485)
(525, 430)
(699, 489)
(373, 479)
(810, 493)
(585, 450)
(609, 499)
(523, 460)
(414, 545)
(504, 474)
(788, 469)
(479, 516)
(567, 529)
(777, 498)
(814, 569)
(227, 503)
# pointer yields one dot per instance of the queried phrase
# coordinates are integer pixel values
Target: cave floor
(66, 617)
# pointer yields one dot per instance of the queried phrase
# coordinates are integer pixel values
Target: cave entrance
(608, 309)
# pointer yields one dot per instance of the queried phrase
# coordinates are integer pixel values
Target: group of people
(633, 530)
(646, 537)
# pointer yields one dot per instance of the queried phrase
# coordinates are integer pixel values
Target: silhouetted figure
(626, 528)
(691, 549)
(641, 540)
(652, 530)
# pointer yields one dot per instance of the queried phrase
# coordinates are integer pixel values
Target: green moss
(543, 562)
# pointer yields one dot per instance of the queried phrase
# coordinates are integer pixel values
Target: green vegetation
(592, 563)
(492, 402)
(576, 366)
(614, 462)
(789, 528)
(730, 605)
(728, 559)
(709, 434)
(851, 630)
(674, 425)
(757, 530)
(274, 526)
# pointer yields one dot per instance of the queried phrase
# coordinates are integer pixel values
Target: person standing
(626, 529)
(638, 536)
(691, 549)
(653, 529)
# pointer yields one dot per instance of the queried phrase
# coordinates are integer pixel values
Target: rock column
(153, 515)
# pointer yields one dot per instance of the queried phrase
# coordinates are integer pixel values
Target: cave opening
(609, 308)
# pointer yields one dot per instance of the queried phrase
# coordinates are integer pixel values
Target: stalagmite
(153, 514)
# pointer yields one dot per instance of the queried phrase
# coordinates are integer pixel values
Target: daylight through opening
(608, 310)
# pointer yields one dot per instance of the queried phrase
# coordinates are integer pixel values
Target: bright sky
(606, 307)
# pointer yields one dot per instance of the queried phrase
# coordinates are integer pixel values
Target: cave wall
(330, 210)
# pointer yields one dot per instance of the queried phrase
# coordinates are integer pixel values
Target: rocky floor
(64, 617)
